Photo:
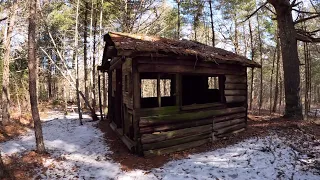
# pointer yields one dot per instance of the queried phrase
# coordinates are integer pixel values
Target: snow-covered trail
(83, 154)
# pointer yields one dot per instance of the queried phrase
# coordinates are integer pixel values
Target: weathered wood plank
(234, 99)
(189, 116)
(231, 133)
(217, 126)
(136, 105)
(159, 111)
(177, 141)
(226, 118)
(179, 147)
(236, 79)
(188, 62)
(235, 86)
(169, 127)
(156, 137)
(235, 92)
(230, 128)
(185, 69)
(201, 106)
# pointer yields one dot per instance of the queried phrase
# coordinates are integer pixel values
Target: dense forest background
(50, 51)
(69, 38)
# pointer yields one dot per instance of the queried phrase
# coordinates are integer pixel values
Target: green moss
(192, 115)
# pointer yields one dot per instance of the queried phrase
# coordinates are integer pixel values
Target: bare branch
(306, 38)
(306, 19)
(306, 12)
(248, 17)
(270, 10)
(2, 19)
(293, 4)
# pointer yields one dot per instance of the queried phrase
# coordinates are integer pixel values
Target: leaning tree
(289, 35)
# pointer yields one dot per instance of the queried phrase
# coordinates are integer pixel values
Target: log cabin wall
(127, 93)
(173, 128)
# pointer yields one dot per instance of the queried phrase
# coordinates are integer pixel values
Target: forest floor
(271, 148)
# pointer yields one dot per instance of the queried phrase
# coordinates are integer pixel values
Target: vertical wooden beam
(158, 90)
(110, 104)
(222, 82)
(136, 105)
(178, 84)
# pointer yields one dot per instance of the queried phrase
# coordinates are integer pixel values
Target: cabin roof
(132, 44)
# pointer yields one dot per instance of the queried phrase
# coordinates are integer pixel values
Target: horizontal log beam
(229, 117)
(184, 117)
(202, 106)
(217, 126)
(231, 133)
(235, 92)
(176, 148)
(236, 79)
(235, 99)
(188, 62)
(235, 86)
(230, 128)
(169, 127)
(185, 69)
(159, 111)
(149, 138)
(177, 141)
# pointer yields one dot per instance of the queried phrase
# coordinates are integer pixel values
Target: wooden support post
(158, 90)
(178, 90)
(136, 106)
(110, 104)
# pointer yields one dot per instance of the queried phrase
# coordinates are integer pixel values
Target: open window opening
(157, 90)
(199, 89)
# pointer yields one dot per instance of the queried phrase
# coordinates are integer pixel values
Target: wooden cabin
(205, 96)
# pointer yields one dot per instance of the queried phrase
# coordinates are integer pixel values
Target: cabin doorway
(118, 99)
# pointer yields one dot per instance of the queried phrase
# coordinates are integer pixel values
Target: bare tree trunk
(281, 92)
(212, 27)
(290, 58)
(276, 90)
(6, 68)
(271, 78)
(99, 92)
(236, 38)
(50, 77)
(85, 59)
(3, 170)
(307, 78)
(65, 100)
(178, 1)
(252, 58)
(261, 62)
(77, 63)
(94, 62)
(32, 65)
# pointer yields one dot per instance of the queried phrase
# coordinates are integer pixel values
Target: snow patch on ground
(80, 152)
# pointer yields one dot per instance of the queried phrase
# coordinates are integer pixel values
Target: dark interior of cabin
(196, 89)
(200, 89)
